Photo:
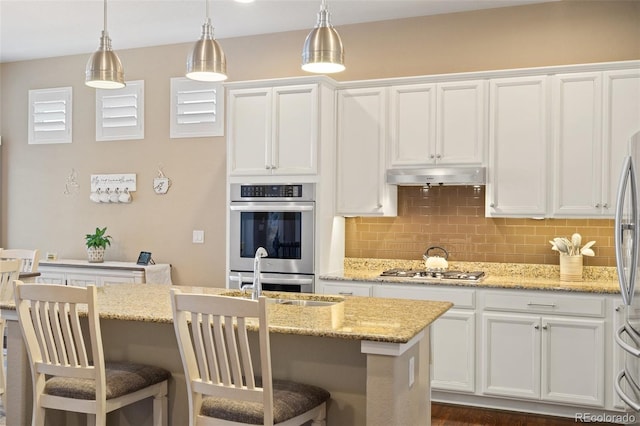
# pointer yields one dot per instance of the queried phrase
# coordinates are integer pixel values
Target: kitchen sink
(300, 310)
(284, 298)
(302, 302)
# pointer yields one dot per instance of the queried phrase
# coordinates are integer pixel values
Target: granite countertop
(498, 275)
(363, 318)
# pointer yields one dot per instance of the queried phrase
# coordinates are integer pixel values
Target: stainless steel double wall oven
(280, 218)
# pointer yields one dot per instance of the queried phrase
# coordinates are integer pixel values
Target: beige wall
(36, 213)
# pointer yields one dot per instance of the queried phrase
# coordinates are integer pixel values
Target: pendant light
(104, 69)
(207, 62)
(322, 51)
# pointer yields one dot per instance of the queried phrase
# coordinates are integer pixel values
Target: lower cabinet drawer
(545, 303)
(461, 298)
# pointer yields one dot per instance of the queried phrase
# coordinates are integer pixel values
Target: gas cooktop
(443, 275)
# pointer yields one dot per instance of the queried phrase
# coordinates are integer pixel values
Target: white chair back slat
(245, 354)
(208, 340)
(39, 333)
(56, 319)
(221, 349)
(200, 353)
(80, 355)
(233, 353)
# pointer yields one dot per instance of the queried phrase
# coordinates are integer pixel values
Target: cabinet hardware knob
(438, 156)
(379, 206)
(537, 327)
(432, 156)
(618, 308)
(545, 327)
(605, 205)
(492, 205)
(598, 205)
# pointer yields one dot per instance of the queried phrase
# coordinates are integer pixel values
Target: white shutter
(120, 112)
(50, 115)
(197, 108)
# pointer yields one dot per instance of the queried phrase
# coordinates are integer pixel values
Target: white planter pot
(95, 254)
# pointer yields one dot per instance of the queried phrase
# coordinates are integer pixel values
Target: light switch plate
(198, 237)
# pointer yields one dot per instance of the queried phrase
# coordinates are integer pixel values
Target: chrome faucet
(256, 287)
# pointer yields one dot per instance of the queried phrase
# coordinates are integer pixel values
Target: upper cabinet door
(577, 145)
(249, 131)
(273, 130)
(461, 117)
(518, 139)
(361, 154)
(413, 125)
(438, 124)
(295, 130)
(621, 112)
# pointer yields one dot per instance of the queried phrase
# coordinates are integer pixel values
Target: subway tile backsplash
(453, 217)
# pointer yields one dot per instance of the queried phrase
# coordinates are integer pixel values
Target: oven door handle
(624, 345)
(268, 208)
(626, 398)
(277, 280)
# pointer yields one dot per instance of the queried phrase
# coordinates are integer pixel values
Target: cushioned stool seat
(122, 378)
(290, 399)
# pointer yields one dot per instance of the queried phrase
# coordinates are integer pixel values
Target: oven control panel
(271, 191)
(284, 192)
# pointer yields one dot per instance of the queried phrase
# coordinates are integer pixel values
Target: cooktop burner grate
(445, 275)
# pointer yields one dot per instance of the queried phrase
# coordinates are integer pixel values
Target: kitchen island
(374, 360)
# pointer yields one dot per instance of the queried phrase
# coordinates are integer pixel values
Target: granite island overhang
(375, 362)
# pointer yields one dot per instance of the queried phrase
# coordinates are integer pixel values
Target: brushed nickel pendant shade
(104, 69)
(323, 51)
(207, 62)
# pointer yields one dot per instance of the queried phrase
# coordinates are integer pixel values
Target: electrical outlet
(198, 237)
(412, 371)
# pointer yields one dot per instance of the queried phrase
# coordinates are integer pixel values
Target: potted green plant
(96, 244)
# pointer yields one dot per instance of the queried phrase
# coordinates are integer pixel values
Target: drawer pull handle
(546, 305)
(345, 293)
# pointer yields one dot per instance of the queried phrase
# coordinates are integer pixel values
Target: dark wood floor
(454, 415)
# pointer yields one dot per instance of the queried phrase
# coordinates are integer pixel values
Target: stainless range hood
(431, 176)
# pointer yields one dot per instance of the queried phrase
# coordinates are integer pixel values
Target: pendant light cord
(105, 16)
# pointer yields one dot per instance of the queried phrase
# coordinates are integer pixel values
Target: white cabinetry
(82, 273)
(518, 139)
(453, 336)
(273, 130)
(578, 179)
(361, 154)
(621, 112)
(554, 351)
(594, 116)
(440, 123)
